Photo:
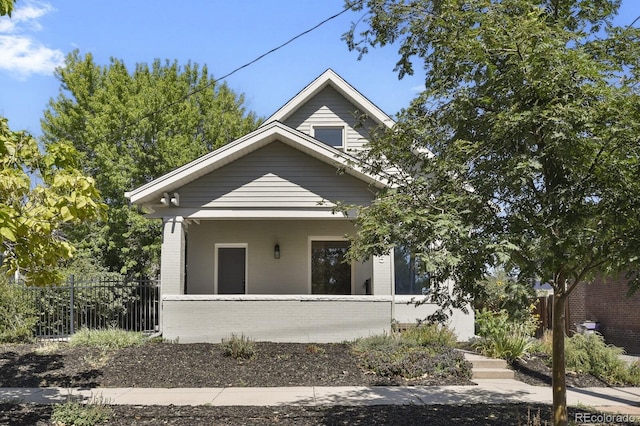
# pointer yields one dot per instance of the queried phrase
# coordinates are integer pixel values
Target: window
(409, 277)
(329, 273)
(330, 135)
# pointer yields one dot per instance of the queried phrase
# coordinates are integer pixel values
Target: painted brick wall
(209, 318)
(605, 301)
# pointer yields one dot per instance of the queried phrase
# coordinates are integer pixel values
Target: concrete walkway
(617, 400)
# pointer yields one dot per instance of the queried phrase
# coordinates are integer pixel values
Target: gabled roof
(273, 131)
(330, 78)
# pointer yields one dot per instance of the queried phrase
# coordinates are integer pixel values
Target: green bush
(238, 347)
(501, 337)
(500, 291)
(428, 335)
(381, 342)
(108, 338)
(396, 355)
(588, 353)
(76, 414)
(17, 313)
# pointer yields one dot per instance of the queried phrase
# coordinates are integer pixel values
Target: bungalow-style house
(251, 243)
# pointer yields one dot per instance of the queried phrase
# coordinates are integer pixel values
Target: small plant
(315, 349)
(96, 361)
(502, 337)
(47, 348)
(238, 347)
(382, 342)
(427, 335)
(77, 414)
(108, 338)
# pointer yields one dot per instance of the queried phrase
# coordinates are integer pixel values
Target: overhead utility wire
(206, 86)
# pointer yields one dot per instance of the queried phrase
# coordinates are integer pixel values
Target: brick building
(606, 301)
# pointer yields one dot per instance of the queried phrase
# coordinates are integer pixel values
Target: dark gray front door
(231, 270)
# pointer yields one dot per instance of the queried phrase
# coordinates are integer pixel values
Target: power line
(215, 80)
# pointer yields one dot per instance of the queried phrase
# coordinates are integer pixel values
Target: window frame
(343, 131)
(325, 238)
(425, 290)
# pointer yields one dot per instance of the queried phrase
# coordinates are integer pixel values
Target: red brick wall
(605, 301)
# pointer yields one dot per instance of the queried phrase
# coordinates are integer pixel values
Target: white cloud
(20, 51)
(25, 56)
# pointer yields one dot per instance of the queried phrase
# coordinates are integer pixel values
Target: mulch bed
(193, 365)
(476, 414)
(275, 364)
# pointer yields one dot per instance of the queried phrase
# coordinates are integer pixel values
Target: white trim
(319, 213)
(331, 78)
(342, 128)
(276, 297)
(312, 238)
(217, 246)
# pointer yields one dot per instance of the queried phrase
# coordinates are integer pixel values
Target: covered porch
(270, 279)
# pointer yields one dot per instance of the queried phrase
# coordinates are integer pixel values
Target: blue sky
(219, 33)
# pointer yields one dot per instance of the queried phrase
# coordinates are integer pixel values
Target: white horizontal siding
(275, 176)
(330, 108)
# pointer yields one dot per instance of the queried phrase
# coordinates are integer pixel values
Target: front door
(231, 270)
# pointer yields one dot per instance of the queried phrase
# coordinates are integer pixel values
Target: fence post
(71, 307)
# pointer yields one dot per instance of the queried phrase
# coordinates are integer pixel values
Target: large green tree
(131, 127)
(522, 150)
(40, 192)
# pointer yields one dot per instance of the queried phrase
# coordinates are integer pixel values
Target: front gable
(280, 166)
(275, 176)
(329, 101)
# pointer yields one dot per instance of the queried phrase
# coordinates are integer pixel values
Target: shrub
(395, 355)
(108, 338)
(238, 347)
(500, 291)
(74, 413)
(501, 337)
(588, 353)
(381, 342)
(17, 313)
(427, 335)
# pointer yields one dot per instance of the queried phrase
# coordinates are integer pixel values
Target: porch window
(409, 275)
(329, 273)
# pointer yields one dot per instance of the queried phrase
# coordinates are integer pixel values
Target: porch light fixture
(276, 251)
(166, 200)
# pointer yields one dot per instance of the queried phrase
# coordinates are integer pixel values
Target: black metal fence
(126, 304)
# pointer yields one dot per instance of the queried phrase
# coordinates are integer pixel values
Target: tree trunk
(558, 377)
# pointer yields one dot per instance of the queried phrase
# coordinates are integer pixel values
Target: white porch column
(383, 275)
(172, 258)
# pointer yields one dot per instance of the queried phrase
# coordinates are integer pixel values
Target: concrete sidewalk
(618, 400)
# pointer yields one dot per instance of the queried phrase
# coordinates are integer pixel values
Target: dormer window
(331, 135)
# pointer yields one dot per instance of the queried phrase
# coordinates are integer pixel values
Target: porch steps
(488, 368)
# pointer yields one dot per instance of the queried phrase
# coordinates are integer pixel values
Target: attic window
(333, 136)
